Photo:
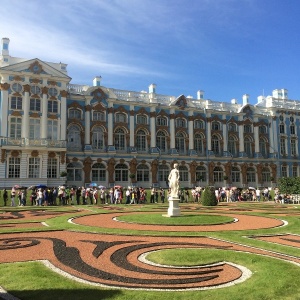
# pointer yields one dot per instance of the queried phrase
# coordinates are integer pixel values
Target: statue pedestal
(174, 209)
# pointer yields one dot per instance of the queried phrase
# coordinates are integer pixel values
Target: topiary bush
(209, 197)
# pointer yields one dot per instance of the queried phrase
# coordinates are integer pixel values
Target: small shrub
(209, 197)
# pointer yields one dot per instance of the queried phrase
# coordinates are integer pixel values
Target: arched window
(142, 171)
(180, 123)
(121, 172)
(98, 172)
(215, 145)
(141, 141)
(75, 113)
(218, 174)
(250, 175)
(232, 146)
(266, 175)
(120, 139)
(121, 118)
(141, 119)
(98, 116)
(161, 121)
(215, 125)
(199, 143)
(74, 140)
(180, 142)
(198, 124)
(263, 147)
(163, 173)
(161, 141)
(201, 174)
(97, 138)
(232, 127)
(235, 174)
(74, 171)
(183, 173)
(248, 147)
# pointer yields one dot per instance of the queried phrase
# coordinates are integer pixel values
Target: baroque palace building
(105, 135)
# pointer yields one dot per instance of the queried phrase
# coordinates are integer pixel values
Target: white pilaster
(256, 139)
(44, 119)
(208, 134)
(241, 136)
(225, 135)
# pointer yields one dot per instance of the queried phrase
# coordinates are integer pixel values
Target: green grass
(186, 219)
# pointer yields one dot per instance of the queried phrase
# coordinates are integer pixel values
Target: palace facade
(117, 137)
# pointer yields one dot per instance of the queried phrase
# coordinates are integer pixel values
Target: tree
(209, 197)
(289, 185)
(131, 176)
(63, 174)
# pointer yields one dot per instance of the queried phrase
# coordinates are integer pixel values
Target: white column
(4, 109)
(131, 126)
(191, 131)
(152, 127)
(172, 129)
(63, 116)
(44, 118)
(87, 125)
(110, 124)
(25, 122)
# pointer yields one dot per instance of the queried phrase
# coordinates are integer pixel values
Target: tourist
(5, 197)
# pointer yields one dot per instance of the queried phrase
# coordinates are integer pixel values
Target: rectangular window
(98, 116)
(281, 128)
(52, 107)
(293, 148)
(282, 146)
(34, 167)
(16, 103)
(284, 171)
(295, 171)
(35, 104)
(52, 168)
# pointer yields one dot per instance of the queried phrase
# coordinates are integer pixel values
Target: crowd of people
(132, 195)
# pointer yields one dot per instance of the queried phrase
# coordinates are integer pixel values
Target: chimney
(152, 88)
(233, 101)
(277, 93)
(97, 81)
(260, 99)
(245, 99)
(284, 93)
(200, 95)
(4, 47)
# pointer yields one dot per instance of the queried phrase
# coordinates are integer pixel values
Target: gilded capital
(4, 86)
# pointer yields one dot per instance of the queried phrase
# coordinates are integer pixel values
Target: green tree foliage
(209, 197)
(289, 185)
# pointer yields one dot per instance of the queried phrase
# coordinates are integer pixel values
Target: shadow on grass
(65, 294)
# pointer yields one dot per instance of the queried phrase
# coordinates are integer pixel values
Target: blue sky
(225, 47)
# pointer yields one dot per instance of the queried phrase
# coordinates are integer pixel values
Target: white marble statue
(174, 181)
